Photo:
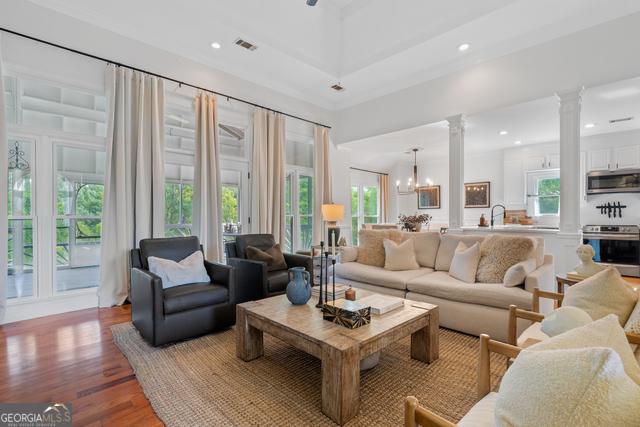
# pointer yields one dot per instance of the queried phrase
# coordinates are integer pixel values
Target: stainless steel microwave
(618, 181)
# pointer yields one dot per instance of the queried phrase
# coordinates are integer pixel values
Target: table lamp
(332, 214)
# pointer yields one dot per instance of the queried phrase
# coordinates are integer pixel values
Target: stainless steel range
(617, 245)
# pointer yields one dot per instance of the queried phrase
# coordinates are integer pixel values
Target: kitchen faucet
(504, 213)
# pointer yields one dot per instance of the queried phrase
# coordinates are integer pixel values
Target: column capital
(570, 96)
(456, 121)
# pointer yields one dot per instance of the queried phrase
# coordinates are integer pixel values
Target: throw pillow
(605, 332)
(371, 248)
(425, 245)
(348, 254)
(564, 319)
(569, 387)
(189, 270)
(498, 253)
(272, 256)
(633, 323)
(465, 262)
(602, 294)
(517, 273)
(399, 256)
(447, 248)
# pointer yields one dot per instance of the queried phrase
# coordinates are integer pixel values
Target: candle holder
(326, 277)
(333, 266)
(320, 303)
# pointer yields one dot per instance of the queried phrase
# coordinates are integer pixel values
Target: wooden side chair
(482, 412)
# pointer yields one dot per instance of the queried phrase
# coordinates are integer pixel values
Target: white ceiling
(531, 123)
(372, 47)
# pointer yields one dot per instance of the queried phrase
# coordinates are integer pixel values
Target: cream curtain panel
(268, 174)
(322, 179)
(4, 222)
(384, 198)
(134, 176)
(207, 199)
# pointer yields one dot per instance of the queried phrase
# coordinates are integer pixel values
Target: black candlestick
(333, 265)
(326, 277)
(320, 301)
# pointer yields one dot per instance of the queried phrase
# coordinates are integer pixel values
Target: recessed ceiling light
(215, 45)
(518, 142)
(463, 47)
(503, 132)
(589, 125)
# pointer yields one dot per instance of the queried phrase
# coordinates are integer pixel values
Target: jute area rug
(201, 382)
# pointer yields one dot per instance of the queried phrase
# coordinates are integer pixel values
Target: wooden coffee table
(340, 349)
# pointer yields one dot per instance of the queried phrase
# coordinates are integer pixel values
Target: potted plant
(414, 222)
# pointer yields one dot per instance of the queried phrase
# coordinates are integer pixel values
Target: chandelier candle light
(412, 184)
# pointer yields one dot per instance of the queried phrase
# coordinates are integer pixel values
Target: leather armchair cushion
(173, 248)
(195, 295)
(260, 241)
(277, 280)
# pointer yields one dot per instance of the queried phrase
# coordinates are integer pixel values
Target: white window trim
(531, 182)
(296, 172)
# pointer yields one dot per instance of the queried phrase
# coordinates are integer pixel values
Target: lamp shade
(332, 213)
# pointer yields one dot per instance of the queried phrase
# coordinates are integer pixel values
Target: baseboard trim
(47, 307)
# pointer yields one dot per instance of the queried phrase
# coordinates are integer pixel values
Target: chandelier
(17, 159)
(412, 184)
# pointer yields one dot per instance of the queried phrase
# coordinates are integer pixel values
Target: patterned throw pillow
(633, 323)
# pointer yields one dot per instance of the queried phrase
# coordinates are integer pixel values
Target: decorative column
(570, 160)
(456, 172)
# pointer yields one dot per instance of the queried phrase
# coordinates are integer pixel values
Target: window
(298, 210)
(365, 205)
(178, 200)
(79, 201)
(543, 193)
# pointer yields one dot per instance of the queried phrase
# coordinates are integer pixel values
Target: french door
(298, 209)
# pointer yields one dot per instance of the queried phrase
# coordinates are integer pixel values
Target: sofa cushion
(426, 246)
(188, 297)
(441, 285)
(277, 281)
(465, 262)
(482, 413)
(399, 256)
(498, 253)
(533, 332)
(447, 247)
(377, 275)
(371, 249)
(603, 293)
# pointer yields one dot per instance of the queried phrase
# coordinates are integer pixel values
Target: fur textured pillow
(371, 247)
(399, 256)
(498, 253)
(272, 256)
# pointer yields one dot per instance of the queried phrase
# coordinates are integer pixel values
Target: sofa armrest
(488, 346)
(296, 260)
(416, 415)
(542, 277)
(223, 275)
(147, 300)
(248, 273)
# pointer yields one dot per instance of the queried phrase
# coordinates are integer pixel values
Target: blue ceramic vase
(299, 287)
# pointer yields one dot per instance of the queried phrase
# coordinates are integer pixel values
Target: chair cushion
(602, 294)
(441, 285)
(399, 256)
(277, 281)
(377, 275)
(371, 249)
(426, 246)
(482, 413)
(498, 253)
(173, 248)
(260, 241)
(532, 332)
(272, 256)
(447, 248)
(195, 295)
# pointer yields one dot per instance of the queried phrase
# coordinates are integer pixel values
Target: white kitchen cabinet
(626, 157)
(614, 158)
(547, 161)
(514, 194)
(553, 161)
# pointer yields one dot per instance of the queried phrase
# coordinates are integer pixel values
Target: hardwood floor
(71, 357)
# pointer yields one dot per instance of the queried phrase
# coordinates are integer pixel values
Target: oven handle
(601, 236)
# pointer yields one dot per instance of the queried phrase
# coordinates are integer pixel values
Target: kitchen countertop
(514, 228)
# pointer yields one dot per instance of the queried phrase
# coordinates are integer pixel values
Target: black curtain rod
(119, 64)
(365, 170)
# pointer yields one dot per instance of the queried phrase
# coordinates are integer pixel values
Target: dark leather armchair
(166, 315)
(254, 280)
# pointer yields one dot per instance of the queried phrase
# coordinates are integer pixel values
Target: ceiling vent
(337, 87)
(245, 44)
(624, 119)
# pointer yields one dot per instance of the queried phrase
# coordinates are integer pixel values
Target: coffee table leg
(249, 343)
(425, 342)
(340, 383)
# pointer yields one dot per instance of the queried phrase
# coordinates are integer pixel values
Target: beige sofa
(473, 308)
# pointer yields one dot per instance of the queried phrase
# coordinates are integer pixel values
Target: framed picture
(477, 194)
(429, 197)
